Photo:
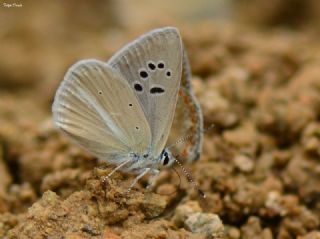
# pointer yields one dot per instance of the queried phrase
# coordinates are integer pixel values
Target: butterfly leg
(114, 170)
(144, 172)
(152, 180)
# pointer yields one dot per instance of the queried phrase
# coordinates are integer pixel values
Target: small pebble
(233, 233)
(205, 223)
(244, 163)
(183, 211)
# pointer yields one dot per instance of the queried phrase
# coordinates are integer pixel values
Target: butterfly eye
(166, 159)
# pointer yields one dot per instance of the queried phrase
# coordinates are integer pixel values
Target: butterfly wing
(186, 135)
(97, 108)
(152, 65)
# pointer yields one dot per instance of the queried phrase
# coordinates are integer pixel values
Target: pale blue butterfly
(122, 111)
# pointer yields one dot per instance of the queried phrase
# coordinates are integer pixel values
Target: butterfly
(122, 110)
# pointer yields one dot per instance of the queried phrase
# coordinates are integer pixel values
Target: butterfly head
(166, 159)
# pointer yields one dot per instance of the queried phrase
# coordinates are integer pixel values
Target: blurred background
(41, 39)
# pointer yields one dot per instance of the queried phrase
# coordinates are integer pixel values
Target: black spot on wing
(160, 65)
(156, 90)
(138, 87)
(143, 74)
(151, 66)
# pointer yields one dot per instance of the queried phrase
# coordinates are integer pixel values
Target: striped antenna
(188, 176)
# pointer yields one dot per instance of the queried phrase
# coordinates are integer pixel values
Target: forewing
(152, 65)
(96, 107)
(187, 129)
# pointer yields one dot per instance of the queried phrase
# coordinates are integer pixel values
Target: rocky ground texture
(259, 168)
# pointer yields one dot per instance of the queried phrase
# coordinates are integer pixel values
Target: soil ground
(258, 83)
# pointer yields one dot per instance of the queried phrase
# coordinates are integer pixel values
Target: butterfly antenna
(178, 176)
(166, 194)
(190, 179)
(187, 136)
(182, 139)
